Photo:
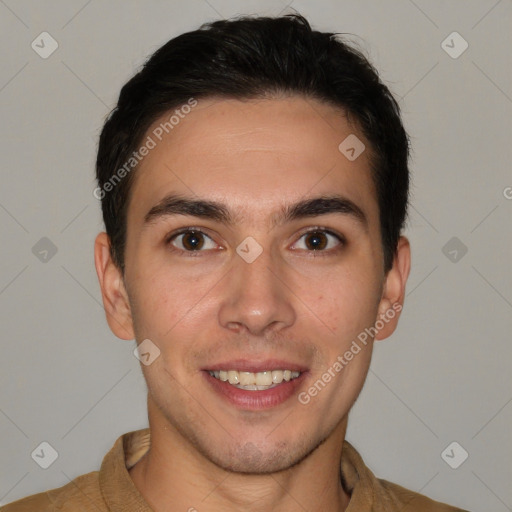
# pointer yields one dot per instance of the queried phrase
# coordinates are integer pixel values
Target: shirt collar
(121, 495)
(117, 487)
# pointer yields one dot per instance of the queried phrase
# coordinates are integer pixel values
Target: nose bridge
(257, 297)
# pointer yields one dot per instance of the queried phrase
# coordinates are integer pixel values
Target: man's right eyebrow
(174, 204)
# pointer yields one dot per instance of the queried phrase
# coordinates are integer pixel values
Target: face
(253, 244)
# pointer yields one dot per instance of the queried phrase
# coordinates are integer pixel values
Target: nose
(257, 297)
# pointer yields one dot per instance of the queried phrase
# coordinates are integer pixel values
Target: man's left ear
(393, 294)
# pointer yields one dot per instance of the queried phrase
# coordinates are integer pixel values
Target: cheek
(161, 301)
(173, 310)
(346, 304)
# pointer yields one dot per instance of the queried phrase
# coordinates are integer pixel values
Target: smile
(254, 381)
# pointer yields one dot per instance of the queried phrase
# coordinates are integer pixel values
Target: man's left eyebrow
(179, 205)
(323, 205)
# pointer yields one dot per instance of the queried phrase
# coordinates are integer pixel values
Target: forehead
(252, 155)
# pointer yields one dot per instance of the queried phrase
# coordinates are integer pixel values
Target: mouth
(255, 386)
(251, 381)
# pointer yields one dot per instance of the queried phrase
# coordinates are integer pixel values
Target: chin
(248, 459)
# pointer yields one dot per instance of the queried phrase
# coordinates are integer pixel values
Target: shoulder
(83, 493)
(371, 493)
(410, 501)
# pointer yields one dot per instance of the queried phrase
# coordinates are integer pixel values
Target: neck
(174, 476)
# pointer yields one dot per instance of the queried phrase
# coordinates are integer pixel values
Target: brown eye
(316, 240)
(192, 241)
(319, 240)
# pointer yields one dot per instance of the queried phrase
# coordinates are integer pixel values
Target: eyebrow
(174, 204)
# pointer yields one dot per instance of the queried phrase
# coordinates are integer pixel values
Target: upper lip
(250, 365)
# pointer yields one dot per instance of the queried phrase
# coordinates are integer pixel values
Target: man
(254, 187)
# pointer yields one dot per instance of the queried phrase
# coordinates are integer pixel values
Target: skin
(291, 303)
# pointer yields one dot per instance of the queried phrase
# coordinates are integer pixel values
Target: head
(296, 246)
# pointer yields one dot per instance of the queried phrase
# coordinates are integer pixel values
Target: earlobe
(393, 294)
(115, 298)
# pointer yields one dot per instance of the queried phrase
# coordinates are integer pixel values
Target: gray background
(443, 376)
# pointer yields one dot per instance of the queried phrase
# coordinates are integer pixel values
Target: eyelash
(314, 253)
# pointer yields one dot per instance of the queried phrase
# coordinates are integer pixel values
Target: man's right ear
(115, 298)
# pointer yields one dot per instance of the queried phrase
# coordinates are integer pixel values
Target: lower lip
(257, 399)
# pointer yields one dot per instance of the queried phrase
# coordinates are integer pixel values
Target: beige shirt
(111, 489)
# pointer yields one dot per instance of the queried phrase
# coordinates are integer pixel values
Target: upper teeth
(265, 378)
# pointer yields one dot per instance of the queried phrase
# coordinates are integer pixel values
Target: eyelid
(330, 231)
